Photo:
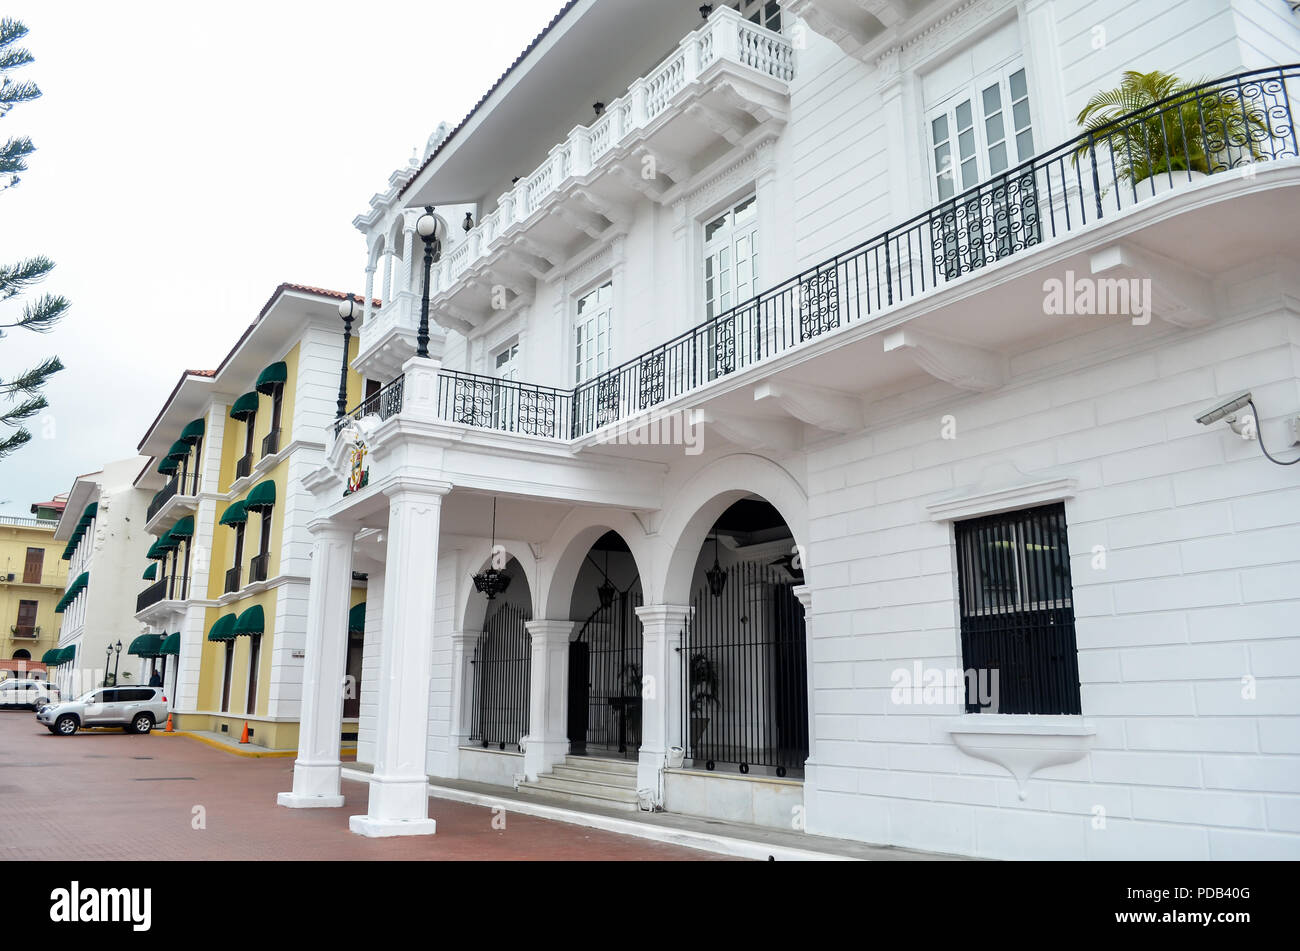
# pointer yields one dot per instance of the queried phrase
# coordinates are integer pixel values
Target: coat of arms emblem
(358, 475)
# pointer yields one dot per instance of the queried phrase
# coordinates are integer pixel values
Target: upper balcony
(178, 497)
(723, 84)
(1173, 196)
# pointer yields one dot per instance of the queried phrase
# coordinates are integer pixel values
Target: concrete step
(622, 767)
(585, 774)
(559, 791)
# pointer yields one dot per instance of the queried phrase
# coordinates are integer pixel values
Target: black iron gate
(502, 666)
(605, 681)
(745, 673)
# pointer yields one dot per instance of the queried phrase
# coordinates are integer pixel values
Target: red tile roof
(487, 95)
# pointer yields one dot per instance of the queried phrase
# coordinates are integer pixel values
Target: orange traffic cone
(169, 724)
(244, 737)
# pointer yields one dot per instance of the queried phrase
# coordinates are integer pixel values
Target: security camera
(1226, 410)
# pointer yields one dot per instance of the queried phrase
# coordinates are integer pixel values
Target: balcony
(258, 568)
(25, 630)
(167, 588)
(270, 444)
(233, 577)
(176, 486)
(1072, 190)
(724, 83)
(244, 466)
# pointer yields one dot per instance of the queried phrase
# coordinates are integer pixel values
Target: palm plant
(1157, 123)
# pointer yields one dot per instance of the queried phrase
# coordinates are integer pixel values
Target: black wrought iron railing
(1225, 124)
(168, 587)
(271, 443)
(244, 466)
(502, 666)
(175, 486)
(258, 567)
(387, 402)
(233, 576)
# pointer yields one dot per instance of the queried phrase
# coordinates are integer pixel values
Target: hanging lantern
(716, 576)
(492, 582)
(606, 590)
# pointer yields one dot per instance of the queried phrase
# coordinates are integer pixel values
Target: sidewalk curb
(250, 754)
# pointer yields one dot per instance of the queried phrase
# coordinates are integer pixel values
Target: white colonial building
(831, 425)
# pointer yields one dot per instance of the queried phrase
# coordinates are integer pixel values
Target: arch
(377, 245)
(21, 654)
(705, 496)
(472, 607)
(572, 541)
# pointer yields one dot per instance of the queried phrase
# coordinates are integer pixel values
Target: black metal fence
(1224, 124)
(1017, 613)
(387, 402)
(605, 680)
(175, 486)
(744, 672)
(168, 587)
(502, 666)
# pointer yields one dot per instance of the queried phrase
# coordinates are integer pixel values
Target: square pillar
(399, 785)
(548, 696)
(317, 768)
(661, 690)
(463, 645)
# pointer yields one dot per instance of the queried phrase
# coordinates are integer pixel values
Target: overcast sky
(192, 157)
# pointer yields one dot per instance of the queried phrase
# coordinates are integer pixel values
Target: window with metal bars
(1017, 610)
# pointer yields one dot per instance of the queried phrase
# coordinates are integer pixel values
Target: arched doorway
(501, 667)
(22, 655)
(743, 657)
(605, 655)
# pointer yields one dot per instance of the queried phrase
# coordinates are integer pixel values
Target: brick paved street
(116, 796)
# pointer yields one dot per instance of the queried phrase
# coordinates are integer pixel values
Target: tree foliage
(20, 395)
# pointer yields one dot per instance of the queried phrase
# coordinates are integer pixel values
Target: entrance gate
(605, 681)
(502, 668)
(745, 673)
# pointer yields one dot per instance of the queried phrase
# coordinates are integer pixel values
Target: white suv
(137, 709)
(22, 692)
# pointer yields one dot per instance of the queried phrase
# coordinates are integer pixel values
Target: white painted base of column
(315, 786)
(540, 756)
(649, 768)
(383, 828)
(295, 801)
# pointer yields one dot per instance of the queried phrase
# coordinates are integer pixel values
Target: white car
(137, 709)
(22, 692)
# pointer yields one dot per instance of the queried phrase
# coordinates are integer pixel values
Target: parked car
(23, 692)
(136, 709)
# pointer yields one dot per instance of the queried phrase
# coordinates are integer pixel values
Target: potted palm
(1161, 130)
(703, 676)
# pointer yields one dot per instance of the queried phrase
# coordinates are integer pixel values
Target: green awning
(69, 655)
(357, 619)
(151, 573)
(79, 585)
(51, 657)
(245, 407)
(146, 645)
(235, 514)
(252, 622)
(91, 511)
(193, 432)
(261, 498)
(271, 377)
(224, 629)
(180, 449)
(171, 645)
(183, 529)
(168, 466)
(166, 543)
(158, 551)
(60, 656)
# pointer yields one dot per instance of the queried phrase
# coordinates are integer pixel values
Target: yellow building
(32, 579)
(226, 599)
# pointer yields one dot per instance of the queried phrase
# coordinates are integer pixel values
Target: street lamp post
(117, 657)
(108, 656)
(348, 311)
(427, 228)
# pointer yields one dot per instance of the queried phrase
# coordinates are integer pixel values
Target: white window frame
(973, 93)
(591, 362)
(511, 362)
(764, 13)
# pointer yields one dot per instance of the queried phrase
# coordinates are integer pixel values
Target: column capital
(548, 630)
(663, 615)
(465, 638)
(407, 488)
(326, 528)
(804, 594)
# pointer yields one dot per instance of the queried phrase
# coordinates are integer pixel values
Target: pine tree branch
(31, 380)
(24, 410)
(40, 315)
(20, 438)
(13, 155)
(11, 31)
(16, 278)
(12, 93)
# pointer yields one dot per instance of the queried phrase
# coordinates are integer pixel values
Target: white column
(548, 696)
(804, 594)
(370, 295)
(316, 770)
(661, 696)
(463, 644)
(399, 796)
